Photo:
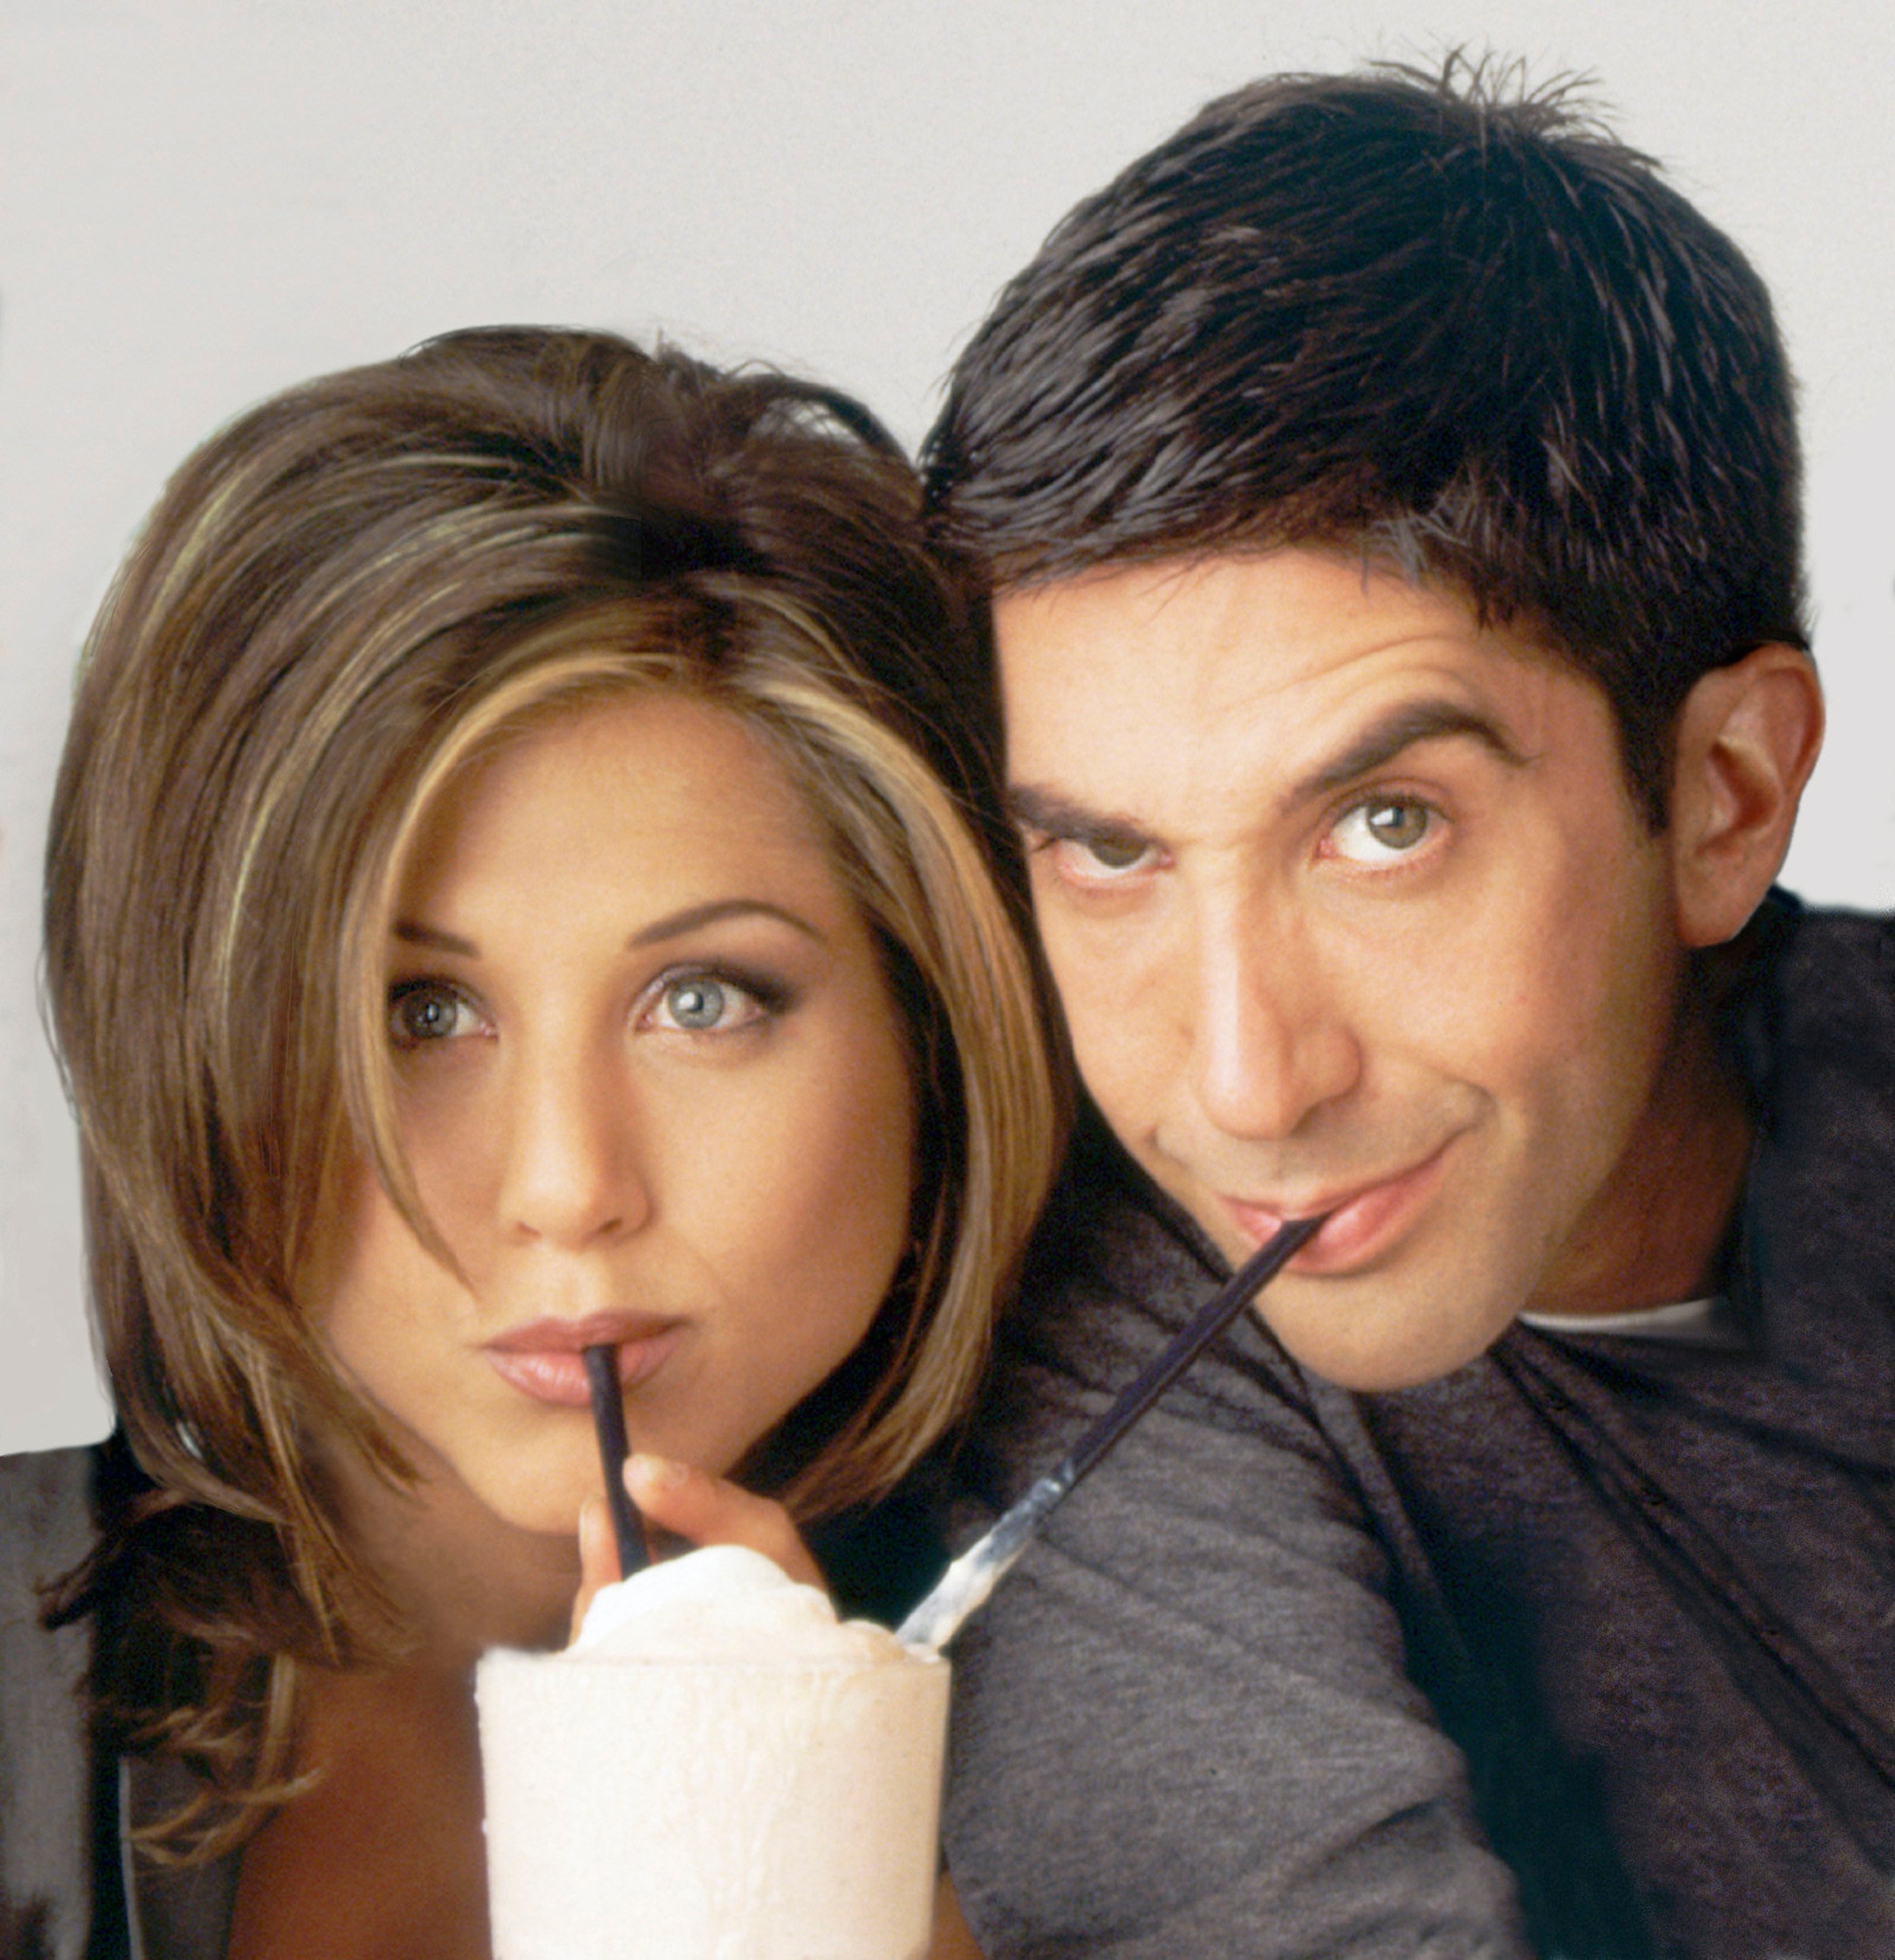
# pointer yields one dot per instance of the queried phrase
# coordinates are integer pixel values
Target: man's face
(1351, 910)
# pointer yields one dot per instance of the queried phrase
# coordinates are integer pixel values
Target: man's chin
(1355, 1335)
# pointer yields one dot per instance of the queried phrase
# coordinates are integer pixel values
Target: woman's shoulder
(45, 1514)
(46, 1777)
(45, 1530)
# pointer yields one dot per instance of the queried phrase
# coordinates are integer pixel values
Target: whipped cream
(728, 1605)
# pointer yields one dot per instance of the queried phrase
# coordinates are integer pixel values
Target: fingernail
(659, 1473)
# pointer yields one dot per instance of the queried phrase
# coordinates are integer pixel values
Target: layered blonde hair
(341, 599)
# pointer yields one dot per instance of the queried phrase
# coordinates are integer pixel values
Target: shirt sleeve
(1182, 1725)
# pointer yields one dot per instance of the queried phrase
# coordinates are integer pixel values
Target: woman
(511, 887)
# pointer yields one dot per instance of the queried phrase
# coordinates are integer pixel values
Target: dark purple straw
(608, 1420)
(963, 1588)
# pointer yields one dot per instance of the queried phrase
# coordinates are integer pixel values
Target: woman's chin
(536, 1500)
(464, 1496)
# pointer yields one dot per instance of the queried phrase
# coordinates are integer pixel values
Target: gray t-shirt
(1587, 1650)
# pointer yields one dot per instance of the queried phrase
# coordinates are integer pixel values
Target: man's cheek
(1124, 988)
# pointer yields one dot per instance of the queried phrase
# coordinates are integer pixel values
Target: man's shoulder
(1819, 1036)
(1107, 1242)
(1818, 993)
(1114, 1271)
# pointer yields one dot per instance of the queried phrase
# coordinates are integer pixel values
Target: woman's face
(655, 1093)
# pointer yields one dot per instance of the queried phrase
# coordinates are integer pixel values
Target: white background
(203, 200)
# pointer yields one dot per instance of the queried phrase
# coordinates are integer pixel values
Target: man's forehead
(1258, 612)
(1301, 643)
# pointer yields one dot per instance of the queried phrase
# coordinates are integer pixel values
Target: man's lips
(543, 1358)
(1363, 1220)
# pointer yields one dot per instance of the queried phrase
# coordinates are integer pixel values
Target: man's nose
(1271, 1040)
(572, 1176)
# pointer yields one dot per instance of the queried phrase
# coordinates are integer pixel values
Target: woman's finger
(711, 1510)
(598, 1556)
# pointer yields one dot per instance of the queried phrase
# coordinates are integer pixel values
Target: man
(1390, 493)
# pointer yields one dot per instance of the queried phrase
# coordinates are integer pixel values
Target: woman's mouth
(544, 1358)
(1363, 1222)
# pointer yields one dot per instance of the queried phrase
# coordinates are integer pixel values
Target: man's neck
(1657, 1229)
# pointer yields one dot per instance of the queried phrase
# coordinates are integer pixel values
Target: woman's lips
(544, 1358)
(1362, 1223)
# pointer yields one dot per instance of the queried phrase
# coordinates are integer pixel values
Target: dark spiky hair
(1436, 317)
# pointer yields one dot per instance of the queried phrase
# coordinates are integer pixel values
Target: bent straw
(608, 1422)
(964, 1587)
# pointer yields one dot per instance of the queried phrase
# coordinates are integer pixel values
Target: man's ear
(1747, 739)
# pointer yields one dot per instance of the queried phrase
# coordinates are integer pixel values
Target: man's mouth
(1364, 1220)
(542, 1358)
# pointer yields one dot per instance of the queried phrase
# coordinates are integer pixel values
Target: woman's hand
(694, 1505)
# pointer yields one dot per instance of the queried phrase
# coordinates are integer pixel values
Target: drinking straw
(608, 1422)
(963, 1588)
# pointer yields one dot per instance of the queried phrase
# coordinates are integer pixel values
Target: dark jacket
(1586, 1650)
(64, 1806)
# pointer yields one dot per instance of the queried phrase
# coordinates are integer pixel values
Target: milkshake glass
(717, 1770)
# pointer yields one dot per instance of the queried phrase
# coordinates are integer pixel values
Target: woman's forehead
(654, 803)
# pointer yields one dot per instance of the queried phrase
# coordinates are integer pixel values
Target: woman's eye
(423, 1011)
(1383, 829)
(701, 1003)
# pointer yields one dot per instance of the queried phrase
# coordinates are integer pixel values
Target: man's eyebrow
(674, 925)
(1382, 741)
(1055, 816)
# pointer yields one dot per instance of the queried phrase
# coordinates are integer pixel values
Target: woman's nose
(572, 1175)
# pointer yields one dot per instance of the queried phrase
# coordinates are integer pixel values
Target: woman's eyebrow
(673, 925)
(1382, 741)
(412, 934)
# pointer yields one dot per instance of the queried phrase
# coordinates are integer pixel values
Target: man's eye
(423, 1011)
(703, 1003)
(1383, 829)
(1114, 854)
(1099, 860)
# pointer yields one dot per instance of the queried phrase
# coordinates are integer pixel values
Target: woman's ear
(1746, 739)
